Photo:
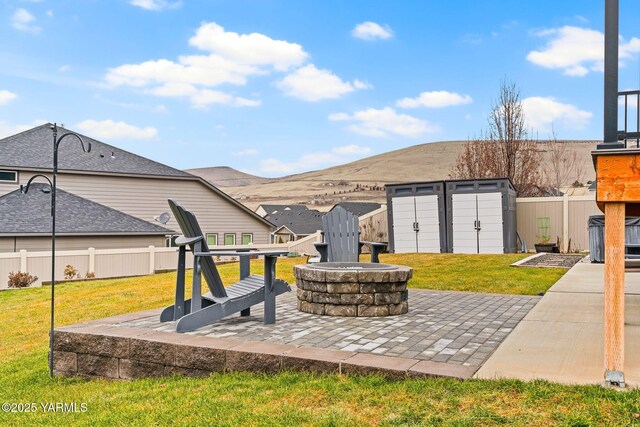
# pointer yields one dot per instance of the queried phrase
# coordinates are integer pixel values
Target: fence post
(92, 260)
(565, 222)
(23, 260)
(152, 259)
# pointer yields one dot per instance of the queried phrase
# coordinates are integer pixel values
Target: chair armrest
(323, 250)
(183, 241)
(378, 244)
(376, 249)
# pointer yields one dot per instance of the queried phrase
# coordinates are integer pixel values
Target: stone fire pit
(352, 289)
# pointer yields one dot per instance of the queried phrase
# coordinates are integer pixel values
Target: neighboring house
(125, 182)
(358, 208)
(25, 223)
(264, 210)
(294, 224)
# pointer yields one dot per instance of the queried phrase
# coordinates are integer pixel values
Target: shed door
(404, 217)
(464, 216)
(428, 223)
(491, 228)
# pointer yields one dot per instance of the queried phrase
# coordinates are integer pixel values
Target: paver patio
(452, 327)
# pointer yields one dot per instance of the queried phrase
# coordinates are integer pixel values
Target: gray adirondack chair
(342, 238)
(220, 302)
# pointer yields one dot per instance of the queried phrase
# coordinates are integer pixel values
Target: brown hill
(224, 176)
(364, 179)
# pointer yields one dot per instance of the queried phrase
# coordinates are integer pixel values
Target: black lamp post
(23, 189)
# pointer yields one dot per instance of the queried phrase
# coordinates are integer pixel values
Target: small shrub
(70, 272)
(90, 275)
(19, 279)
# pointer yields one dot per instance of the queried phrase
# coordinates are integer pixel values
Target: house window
(212, 239)
(229, 239)
(247, 238)
(170, 241)
(8, 176)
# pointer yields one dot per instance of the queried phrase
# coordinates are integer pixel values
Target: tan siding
(7, 188)
(579, 212)
(527, 213)
(6, 244)
(65, 243)
(146, 198)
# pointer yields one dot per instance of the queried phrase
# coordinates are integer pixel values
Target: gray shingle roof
(359, 208)
(299, 221)
(30, 214)
(270, 209)
(33, 149)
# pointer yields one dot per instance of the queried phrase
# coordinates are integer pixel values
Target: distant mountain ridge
(364, 179)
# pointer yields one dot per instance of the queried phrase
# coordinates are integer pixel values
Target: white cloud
(312, 84)
(371, 31)
(543, 113)
(385, 122)
(230, 58)
(359, 84)
(110, 129)
(156, 4)
(435, 99)
(23, 20)
(246, 152)
(312, 161)
(253, 49)
(6, 97)
(64, 68)
(577, 51)
(49, 13)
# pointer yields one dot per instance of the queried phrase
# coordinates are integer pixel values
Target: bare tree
(505, 150)
(564, 168)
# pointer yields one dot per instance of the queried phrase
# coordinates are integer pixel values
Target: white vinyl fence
(103, 263)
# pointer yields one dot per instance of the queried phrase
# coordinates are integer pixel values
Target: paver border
(100, 349)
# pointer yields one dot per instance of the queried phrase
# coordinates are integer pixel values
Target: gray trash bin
(596, 237)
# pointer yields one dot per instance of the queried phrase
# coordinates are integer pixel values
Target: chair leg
(374, 254)
(269, 291)
(178, 311)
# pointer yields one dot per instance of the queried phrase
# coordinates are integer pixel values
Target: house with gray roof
(294, 224)
(264, 210)
(105, 181)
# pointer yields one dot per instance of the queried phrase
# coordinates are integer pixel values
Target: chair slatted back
(342, 235)
(190, 228)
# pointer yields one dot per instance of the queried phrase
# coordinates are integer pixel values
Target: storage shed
(416, 217)
(459, 216)
(481, 216)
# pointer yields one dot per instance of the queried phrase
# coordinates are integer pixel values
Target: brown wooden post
(614, 228)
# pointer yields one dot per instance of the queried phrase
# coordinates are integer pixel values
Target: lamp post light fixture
(24, 189)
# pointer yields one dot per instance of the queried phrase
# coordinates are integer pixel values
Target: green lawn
(476, 273)
(287, 398)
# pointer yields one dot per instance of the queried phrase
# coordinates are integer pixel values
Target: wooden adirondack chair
(342, 238)
(220, 302)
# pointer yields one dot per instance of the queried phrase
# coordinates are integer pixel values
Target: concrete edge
(527, 259)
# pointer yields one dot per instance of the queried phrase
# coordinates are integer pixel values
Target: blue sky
(280, 87)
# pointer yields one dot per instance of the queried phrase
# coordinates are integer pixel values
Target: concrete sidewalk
(561, 338)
